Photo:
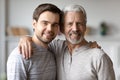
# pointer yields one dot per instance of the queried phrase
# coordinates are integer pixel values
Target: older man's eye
(80, 24)
(69, 24)
(45, 23)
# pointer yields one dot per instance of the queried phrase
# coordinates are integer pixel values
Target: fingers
(94, 45)
(98, 46)
(21, 47)
(23, 51)
(29, 50)
(25, 47)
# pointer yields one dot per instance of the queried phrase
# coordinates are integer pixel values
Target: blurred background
(103, 26)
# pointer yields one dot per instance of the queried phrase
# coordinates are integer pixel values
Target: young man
(41, 66)
(75, 59)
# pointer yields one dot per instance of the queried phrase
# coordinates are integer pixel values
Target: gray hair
(76, 8)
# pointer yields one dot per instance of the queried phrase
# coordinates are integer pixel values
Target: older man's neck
(71, 47)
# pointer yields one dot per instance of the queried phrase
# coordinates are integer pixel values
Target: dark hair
(46, 7)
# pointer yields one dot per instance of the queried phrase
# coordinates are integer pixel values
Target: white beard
(75, 41)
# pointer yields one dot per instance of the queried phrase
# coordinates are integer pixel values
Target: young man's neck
(39, 42)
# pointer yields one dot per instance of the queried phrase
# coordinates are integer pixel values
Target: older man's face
(74, 27)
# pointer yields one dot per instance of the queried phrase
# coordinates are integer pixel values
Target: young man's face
(46, 28)
(74, 27)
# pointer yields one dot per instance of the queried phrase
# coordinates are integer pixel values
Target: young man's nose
(49, 27)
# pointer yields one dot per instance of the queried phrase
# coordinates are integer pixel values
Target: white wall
(2, 38)
(20, 12)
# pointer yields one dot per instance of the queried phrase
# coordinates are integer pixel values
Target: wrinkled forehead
(74, 16)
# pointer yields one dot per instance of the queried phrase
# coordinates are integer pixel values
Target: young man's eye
(45, 23)
(56, 25)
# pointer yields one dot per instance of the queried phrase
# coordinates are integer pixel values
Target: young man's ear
(34, 23)
(61, 28)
